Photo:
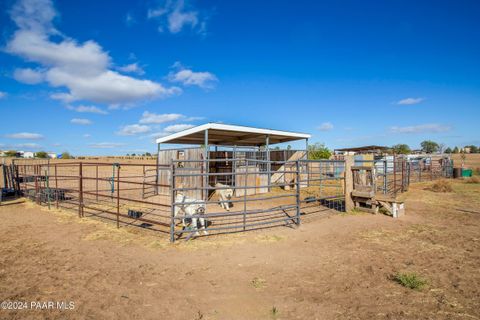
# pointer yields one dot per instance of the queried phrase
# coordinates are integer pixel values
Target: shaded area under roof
(230, 135)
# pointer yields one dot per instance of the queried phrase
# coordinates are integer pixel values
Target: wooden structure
(364, 193)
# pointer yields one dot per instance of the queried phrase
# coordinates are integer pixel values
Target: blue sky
(107, 77)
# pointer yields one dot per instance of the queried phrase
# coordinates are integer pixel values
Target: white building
(29, 154)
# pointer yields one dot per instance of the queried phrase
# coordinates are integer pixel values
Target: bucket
(457, 172)
(467, 173)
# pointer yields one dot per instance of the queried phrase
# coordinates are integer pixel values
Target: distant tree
(473, 149)
(41, 155)
(455, 150)
(401, 149)
(133, 154)
(66, 155)
(148, 154)
(128, 154)
(277, 148)
(441, 147)
(11, 153)
(429, 146)
(318, 151)
(448, 150)
(289, 147)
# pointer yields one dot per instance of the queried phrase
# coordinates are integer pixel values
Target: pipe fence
(198, 197)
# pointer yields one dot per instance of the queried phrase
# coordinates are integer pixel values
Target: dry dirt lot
(335, 267)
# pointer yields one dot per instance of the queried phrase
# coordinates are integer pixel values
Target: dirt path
(336, 267)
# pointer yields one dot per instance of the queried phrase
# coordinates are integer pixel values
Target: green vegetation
(258, 283)
(410, 280)
(41, 155)
(66, 155)
(401, 148)
(318, 151)
(429, 146)
(274, 311)
(11, 153)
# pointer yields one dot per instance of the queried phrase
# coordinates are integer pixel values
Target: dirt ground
(333, 267)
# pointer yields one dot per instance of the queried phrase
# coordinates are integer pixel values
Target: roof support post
(206, 166)
(157, 178)
(269, 166)
(307, 171)
(306, 148)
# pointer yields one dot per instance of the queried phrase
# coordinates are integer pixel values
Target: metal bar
(298, 192)
(172, 201)
(96, 181)
(157, 167)
(394, 176)
(245, 198)
(47, 185)
(385, 170)
(269, 164)
(80, 190)
(206, 164)
(118, 196)
(128, 199)
(56, 187)
(307, 169)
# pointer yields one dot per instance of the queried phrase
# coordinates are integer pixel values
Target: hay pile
(441, 186)
(474, 179)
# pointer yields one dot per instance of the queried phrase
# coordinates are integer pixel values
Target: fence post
(348, 180)
(297, 163)
(394, 176)
(96, 182)
(118, 195)
(37, 197)
(56, 187)
(80, 190)
(172, 213)
(245, 197)
(47, 185)
(385, 176)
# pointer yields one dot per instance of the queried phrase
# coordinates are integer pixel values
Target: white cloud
(150, 118)
(87, 135)
(86, 109)
(174, 16)
(106, 145)
(326, 126)
(82, 68)
(410, 101)
(131, 68)
(27, 146)
(83, 122)
(159, 134)
(25, 136)
(133, 129)
(423, 128)
(28, 76)
(187, 77)
(3, 94)
(177, 127)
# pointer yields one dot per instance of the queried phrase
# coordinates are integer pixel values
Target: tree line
(429, 146)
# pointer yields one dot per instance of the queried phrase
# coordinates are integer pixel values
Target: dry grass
(474, 179)
(441, 186)
(258, 283)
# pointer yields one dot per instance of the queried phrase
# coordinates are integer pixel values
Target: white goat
(190, 207)
(225, 194)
